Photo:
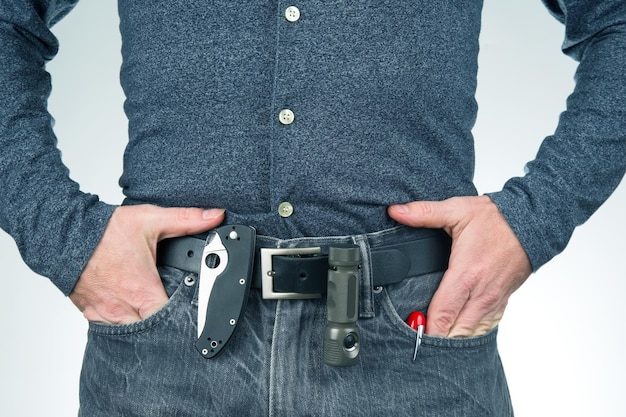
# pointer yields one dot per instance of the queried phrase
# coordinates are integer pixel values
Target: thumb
(180, 221)
(429, 214)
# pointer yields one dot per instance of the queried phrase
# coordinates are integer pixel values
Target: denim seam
(273, 357)
(366, 304)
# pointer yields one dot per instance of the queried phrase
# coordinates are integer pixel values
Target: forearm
(55, 225)
(578, 167)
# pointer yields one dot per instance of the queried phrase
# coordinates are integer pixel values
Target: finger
(430, 214)
(131, 305)
(140, 305)
(181, 221)
(480, 314)
(446, 305)
(471, 327)
(113, 312)
(144, 294)
(153, 303)
(464, 306)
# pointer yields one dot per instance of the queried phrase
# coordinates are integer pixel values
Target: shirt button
(292, 14)
(285, 209)
(286, 116)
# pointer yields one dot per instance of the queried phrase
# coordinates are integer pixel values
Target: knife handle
(229, 294)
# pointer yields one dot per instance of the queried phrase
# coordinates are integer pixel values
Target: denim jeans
(273, 365)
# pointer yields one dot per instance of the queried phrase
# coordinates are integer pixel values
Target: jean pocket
(453, 376)
(176, 284)
(414, 294)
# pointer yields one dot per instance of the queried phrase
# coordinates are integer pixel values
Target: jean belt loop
(366, 295)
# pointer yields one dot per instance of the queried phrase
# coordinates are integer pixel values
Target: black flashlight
(342, 340)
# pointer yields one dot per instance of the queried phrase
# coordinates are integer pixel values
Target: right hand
(120, 283)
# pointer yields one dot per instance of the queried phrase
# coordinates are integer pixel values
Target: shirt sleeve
(578, 167)
(55, 225)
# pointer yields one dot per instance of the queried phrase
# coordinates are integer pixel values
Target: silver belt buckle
(267, 271)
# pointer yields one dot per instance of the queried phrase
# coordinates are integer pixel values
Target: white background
(561, 337)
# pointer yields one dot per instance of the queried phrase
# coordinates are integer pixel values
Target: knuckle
(425, 209)
(461, 332)
(493, 297)
(90, 314)
(116, 314)
(444, 321)
(184, 213)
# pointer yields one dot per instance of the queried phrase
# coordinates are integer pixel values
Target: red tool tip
(416, 319)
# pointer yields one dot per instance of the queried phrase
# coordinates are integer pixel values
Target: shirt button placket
(286, 116)
(292, 14)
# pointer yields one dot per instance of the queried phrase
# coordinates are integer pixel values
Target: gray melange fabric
(383, 103)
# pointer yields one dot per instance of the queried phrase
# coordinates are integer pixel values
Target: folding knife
(225, 279)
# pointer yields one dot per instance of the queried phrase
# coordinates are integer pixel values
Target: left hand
(487, 263)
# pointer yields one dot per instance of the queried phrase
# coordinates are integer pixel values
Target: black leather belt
(305, 270)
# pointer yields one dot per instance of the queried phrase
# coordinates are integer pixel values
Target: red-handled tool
(417, 321)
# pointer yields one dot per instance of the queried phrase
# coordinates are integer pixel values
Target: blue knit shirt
(331, 112)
